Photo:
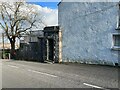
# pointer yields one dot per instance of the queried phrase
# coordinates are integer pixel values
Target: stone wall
(34, 46)
(87, 32)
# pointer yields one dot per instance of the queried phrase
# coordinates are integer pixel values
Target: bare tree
(15, 19)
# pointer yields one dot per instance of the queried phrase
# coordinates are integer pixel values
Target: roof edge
(59, 3)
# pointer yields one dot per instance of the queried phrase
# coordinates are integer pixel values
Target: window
(116, 41)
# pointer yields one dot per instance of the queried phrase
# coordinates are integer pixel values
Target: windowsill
(117, 29)
(115, 48)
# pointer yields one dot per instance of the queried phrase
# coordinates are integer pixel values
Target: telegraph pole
(3, 46)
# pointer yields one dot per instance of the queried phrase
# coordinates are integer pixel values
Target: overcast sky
(49, 10)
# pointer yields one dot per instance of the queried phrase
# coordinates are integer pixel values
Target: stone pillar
(60, 46)
(47, 50)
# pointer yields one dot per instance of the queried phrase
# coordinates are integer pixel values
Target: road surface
(22, 74)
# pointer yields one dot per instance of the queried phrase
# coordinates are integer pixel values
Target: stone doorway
(50, 45)
(51, 35)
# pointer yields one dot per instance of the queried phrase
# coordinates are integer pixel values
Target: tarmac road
(22, 74)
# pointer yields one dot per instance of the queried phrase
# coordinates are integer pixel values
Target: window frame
(113, 42)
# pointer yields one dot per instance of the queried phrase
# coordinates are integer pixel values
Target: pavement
(23, 74)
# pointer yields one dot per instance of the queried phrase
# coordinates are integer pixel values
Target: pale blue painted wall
(88, 38)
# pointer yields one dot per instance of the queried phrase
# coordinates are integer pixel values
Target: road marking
(93, 86)
(42, 73)
(13, 66)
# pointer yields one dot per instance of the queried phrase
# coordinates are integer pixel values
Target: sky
(49, 9)
(52, 5)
